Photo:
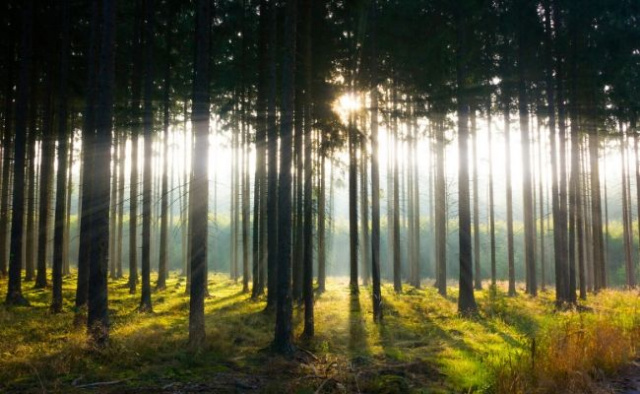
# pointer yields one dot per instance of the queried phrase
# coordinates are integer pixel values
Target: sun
(347, 104)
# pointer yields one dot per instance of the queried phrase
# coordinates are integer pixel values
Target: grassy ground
(515, 345)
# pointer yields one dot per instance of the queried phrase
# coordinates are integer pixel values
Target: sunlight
(347, 104)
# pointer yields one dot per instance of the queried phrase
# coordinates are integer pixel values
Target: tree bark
(14, 290)
(283, 339)
(199, 184)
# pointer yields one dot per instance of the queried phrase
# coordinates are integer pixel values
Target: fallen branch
(98, 384)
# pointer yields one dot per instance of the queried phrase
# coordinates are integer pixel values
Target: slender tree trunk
(163, 264)
(46, 181)
(307, 281)
(66, 264)
(30, 245)
(98, 317)
(133, 180)
(14, 290)
(7, 149)
(477, 277)
(364, 217)
(375, 176)
(145, 301)
(61, 181)
(113, 210)
(272, 134)
(466, 299)
(492, 219)
(397, 258)
(283, 339)
(527, 181)
(441, 209)
(199, 184)
(322, 248)
(260, 186)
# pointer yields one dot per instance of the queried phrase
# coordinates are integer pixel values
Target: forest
(320, 196)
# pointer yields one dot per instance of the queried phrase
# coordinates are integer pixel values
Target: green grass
(423, 345)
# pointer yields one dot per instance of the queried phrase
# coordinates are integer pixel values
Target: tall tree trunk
(527, 181)
(353, 207)
(397, 258)
(307, 285)
(322, 248)
(61, 181)
(14, 290)
(492, 219)
(477, 277)
(364, 206)
(145, 301)
(98, 318)
(30, 245)
(375, 175)
(46, 181)
(199, 185)
(272, 134)
(133, 177)
(466, 299)
(441, 211)
(541, 199)
(260, 185)
(298, 219)
(7, 149)
(113, 209)
(163, 263)
(283, 339)
(66, 264)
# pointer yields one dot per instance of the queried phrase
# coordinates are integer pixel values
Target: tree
(145, 302)
(98, 317)
(14, 290)
(375, 177)
(133, 176)
(283, 341)
(61, 186)
(466, 299)
(199, 183)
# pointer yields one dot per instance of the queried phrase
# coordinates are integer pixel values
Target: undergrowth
(514, 345)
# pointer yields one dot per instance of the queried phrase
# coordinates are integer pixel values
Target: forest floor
(519, 344)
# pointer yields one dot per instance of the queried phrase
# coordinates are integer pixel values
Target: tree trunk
(163, 263)
(46, 181)
(61, 181)
(441, 209)
(477, 277)
(353, 207)
(283, 339)
(98, 319)
(145, 301)
(466, 299)
(272, 134)
(113, 209)
(492, 219)
(397, 258)
(527, 181)
(307, 285)
(14, 290)
(133, 180)
(375, 175)
(199, 185)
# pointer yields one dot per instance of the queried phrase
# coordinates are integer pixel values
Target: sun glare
(347, 104)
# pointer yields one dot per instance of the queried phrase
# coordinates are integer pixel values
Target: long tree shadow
(358, 346)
